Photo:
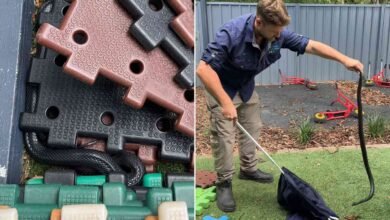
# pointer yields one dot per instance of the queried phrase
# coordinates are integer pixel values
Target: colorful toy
(380, 79)
(172, 210)
(152, 180)
(350, 107)
(203, 199)
(207, 217)
(293, 80)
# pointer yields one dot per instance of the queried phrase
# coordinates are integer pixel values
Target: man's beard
(260, 37)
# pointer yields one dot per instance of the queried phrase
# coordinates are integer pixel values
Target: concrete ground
(280, 105)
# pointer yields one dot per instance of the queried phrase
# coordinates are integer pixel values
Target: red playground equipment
(380, 78)
(350, 107)
(293, 80)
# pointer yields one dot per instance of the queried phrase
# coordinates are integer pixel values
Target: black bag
(301, 199)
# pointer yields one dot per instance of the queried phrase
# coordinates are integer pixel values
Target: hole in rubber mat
(164, 124)
(42, 137)
(90, 142)
(107, 118)
(189, 95)
(65, 9)
(136, 66)
(155, 5)
(60, 60)
(80, 37)
(52, 112)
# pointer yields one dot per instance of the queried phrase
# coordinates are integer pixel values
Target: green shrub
(376, 125)
(305, 131)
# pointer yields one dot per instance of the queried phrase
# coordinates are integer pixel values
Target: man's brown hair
(273, 12)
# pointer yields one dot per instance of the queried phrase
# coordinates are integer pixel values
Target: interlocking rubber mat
(205, 178)
(183, 24)
(67, 109)
(151, 29)
(94, 37)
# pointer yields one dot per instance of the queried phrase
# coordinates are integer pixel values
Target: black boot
(258, 176)
(225, 200)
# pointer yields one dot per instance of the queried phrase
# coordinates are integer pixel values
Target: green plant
(387, 124)
(376, 125)
(169, 167)
(305, 131)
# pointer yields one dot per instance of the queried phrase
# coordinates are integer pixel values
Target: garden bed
(284, 108)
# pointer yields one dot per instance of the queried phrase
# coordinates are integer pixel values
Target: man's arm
(213, 85)
(325, 51)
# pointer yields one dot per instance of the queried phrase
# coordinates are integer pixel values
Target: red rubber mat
(183, 24)
(91, 143)
(94, 36)
(151, 28)
(205, 178)
(146, 153)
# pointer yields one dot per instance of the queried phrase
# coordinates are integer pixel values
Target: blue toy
(207, 217)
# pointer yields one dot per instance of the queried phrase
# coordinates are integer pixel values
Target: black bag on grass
(301, 199)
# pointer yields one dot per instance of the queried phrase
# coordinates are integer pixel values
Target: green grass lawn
(339, 177)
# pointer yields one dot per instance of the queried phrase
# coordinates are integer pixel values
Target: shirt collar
(250, 33)
(254, 43)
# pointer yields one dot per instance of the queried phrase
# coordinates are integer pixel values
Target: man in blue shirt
(243, 47)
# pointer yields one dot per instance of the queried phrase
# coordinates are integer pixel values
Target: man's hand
(353, 65)
(213, 85)
(229, 111)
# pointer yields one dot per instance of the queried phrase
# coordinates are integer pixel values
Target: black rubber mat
(67, 108)
(152, 29)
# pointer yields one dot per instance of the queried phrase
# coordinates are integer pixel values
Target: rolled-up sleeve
(217, 51)
(294, 41)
